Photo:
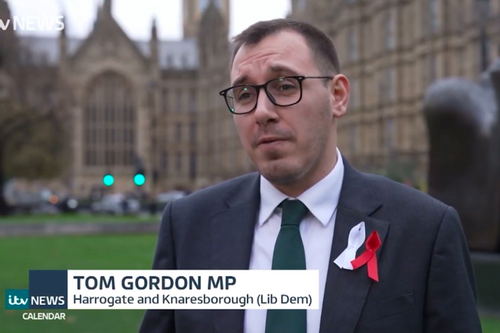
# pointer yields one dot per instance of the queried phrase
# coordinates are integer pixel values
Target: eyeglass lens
(281, 91)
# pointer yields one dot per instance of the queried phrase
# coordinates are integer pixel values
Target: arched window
(109, 122)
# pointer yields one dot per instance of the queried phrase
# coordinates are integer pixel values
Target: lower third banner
(168, 289)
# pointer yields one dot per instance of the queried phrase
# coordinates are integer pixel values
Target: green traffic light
(139, 179)
(108, 180)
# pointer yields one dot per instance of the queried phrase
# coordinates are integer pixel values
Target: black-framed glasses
(282, 91)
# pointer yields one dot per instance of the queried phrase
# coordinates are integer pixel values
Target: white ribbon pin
(357, 237)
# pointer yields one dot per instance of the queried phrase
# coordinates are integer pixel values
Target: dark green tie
(289, 254)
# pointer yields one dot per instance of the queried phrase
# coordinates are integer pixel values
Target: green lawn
(491, 325)
(19, 255)
(76, 218)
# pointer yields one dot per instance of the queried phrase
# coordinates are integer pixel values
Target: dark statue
(464, 152)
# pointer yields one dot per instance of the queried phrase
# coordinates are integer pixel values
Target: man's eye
(244, 96)
(285, 86)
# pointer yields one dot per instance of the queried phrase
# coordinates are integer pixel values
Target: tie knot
(293, 212)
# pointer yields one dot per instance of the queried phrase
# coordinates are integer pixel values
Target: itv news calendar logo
(48, 289)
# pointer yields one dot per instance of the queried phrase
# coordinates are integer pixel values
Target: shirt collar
(321, 199)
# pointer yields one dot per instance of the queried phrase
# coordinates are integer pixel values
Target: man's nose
(265, 110)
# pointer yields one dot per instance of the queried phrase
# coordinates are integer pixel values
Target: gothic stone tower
(192, 13)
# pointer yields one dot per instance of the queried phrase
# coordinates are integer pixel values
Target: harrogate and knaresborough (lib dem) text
(168, 299)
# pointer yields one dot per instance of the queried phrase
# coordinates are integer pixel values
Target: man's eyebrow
(240, 80)
(276, 69)
(282, 69)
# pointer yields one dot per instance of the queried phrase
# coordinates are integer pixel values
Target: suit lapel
(232, 233)
(346, 290)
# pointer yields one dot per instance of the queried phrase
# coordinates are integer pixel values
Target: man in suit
(286, 96)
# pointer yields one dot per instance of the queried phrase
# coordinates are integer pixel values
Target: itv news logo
(19, 299)
(48, 289)
(34, 23)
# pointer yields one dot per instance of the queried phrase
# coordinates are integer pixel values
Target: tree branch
(25, 123)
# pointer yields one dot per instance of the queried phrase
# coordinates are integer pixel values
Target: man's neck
(296, 188)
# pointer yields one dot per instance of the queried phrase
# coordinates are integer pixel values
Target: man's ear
(340, 90)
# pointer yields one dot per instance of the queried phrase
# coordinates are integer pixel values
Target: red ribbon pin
(368, 257)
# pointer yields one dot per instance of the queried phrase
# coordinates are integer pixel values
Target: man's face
(288, 144)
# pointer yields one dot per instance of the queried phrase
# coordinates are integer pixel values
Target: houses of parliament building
(157, 101)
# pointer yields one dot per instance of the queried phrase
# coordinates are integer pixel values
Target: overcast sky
(135, 16)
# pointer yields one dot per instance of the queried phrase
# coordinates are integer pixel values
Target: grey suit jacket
(426, 279)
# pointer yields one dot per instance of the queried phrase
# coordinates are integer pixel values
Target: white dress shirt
(316, 231)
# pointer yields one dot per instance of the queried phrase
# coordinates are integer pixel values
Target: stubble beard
(280, 169)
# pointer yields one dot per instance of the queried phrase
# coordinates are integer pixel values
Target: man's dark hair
(322, 47)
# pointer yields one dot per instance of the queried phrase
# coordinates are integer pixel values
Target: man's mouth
(268, 140)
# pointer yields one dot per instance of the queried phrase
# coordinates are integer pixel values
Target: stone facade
(392, 51)
(157, 102)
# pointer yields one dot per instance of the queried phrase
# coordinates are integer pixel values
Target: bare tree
(32, 144)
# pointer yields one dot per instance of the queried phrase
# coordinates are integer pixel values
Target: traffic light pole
(153, 149)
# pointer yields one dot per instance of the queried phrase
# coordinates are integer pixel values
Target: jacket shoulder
(399, 195)
(213, 196)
